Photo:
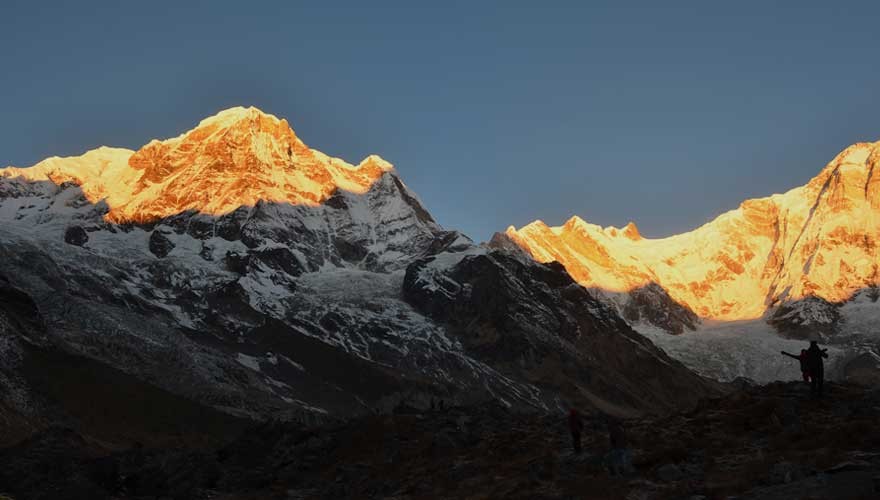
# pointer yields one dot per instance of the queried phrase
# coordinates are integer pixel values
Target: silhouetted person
(619, 460)
(575, 425)
(805, 372)
(816, 367)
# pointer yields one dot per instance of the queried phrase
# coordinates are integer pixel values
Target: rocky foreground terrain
(766, 442)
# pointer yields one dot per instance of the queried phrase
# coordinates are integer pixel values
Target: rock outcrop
(534, 323)
(76, 235)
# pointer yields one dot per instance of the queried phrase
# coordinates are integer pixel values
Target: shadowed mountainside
(297, 309)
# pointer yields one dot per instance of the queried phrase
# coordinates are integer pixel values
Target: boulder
(237, 262)
(159, 244)
(76, 235)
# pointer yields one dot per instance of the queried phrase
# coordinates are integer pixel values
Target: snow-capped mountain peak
(818, 240)
(236, 158)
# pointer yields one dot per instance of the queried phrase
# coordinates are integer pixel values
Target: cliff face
(818, 240)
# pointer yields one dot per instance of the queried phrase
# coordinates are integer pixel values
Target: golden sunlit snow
(819, 239)
(233, 159)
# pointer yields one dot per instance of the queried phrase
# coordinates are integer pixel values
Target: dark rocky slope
(532, 322)
(46, 386)
(771, 442)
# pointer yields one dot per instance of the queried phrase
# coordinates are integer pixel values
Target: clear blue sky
(496, 113)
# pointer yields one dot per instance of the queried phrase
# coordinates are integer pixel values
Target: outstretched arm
(790, 355)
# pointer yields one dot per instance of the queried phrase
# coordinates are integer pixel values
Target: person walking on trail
(816, 367)
(805, 373)
(575, 425)
(619, 459)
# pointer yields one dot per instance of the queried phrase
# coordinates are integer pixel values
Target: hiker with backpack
(575, 425)
(816, 367)
(620, 457)
(802, 358)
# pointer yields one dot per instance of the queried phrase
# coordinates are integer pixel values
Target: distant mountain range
(790, 258)
(238, 268)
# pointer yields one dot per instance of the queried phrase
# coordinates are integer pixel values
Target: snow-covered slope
(803, 264)
(240, 268)
(818, 240)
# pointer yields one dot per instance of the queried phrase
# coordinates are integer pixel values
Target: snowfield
(751, 349)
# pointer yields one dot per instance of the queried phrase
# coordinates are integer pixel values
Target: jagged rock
(448, 241)
(159, 244)
(532, 320)
(237, 262)
(277, 258)
(200, 227)
(76, 235)
(652, 305)
(502, 241)
(18, 311)
(809, 319)
(207, 252)
(350, 251)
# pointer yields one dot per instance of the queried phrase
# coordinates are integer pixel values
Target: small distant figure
(816, 367)
(620, 458)
(289, 152)
(802, 358)
(576, 426)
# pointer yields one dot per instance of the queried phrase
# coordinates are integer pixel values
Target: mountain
(792, 258)
(236, 158)
(237, 268)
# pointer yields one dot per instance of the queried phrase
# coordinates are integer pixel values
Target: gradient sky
(495, 113)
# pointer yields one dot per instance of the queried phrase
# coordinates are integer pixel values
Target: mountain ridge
(239, 155)
(746, 261)
(299, 306)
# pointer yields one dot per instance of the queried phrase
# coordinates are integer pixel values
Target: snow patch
(248, 361)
